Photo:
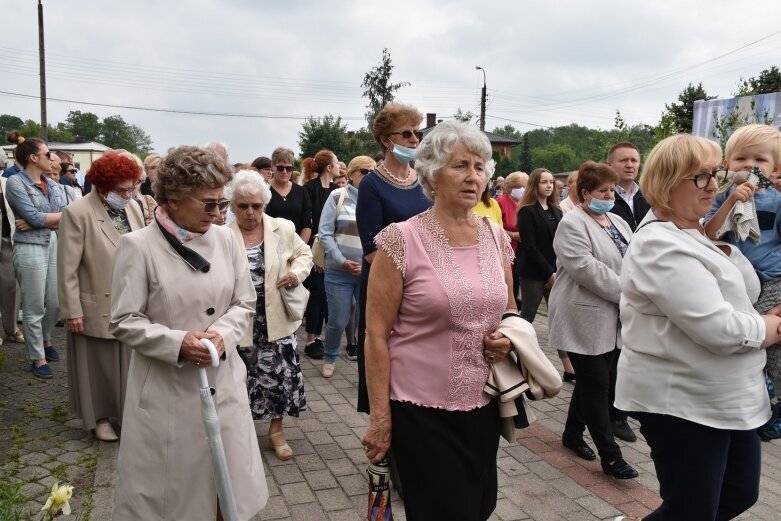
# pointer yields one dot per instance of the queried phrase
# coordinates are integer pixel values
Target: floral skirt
(275, 383)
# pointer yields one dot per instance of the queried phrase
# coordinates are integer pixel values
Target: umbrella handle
(212, 351)
(215, 362)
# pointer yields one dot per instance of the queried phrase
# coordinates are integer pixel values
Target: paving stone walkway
(538, 478)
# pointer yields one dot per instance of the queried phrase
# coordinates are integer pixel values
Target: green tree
(116, 133)
(378, 87)
(555, 157)
(768, 81)
(84, 124)
(9, 122)
(30, 128)
(327, 132)
(60, 133)
(509, 131)
(682, 113)
(524, 155)
(361, 143)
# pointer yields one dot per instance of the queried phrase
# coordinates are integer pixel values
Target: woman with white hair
(278, 258)
(438, 288)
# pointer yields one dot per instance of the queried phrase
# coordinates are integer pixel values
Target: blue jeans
(36, 270)
(340, 289)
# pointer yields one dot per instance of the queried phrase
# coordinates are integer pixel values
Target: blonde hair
(515, 180)
(753, 135)
(670, 160)
(359, 162)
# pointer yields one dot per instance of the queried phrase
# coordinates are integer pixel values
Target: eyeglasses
(284, 168)
(71, 171)
(364, 171)
(123, 191)
(209, 206)
(47, 154)
(702, 180)
(256, 207)
(406, 134)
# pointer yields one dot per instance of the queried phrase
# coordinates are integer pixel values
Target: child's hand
(742, 192)
(775, 310)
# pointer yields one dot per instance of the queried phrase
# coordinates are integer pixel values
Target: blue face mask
(601, 206)
(403, 154)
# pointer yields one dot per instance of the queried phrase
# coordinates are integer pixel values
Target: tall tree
(361, 143)
(768, 81)
(525, 155)
(378, 87)
(327, 132)
(509, 131)
(9, 122)
(682, 113)
(555, 157)
(463, 116)
(84, 124)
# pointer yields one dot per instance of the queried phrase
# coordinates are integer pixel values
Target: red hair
(111, 169)
(322, 159)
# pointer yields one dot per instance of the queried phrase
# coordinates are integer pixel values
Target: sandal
(282, 452)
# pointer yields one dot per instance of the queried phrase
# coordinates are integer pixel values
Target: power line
(174, 111)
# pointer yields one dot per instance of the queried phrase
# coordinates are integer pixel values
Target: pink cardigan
(453, 297)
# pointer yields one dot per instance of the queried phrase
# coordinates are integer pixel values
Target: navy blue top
(380, 203)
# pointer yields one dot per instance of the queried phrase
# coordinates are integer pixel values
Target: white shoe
(105, 432)
(328, 370)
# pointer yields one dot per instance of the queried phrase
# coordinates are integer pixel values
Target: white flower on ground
(58, 500)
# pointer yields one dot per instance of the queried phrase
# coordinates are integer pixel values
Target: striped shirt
(339, 232)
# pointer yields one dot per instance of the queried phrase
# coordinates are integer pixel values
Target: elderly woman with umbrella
(175, 282)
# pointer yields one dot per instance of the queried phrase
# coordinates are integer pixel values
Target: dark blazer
(536, 258)
(622, 209)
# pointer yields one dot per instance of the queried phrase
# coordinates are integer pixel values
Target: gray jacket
(583, 306)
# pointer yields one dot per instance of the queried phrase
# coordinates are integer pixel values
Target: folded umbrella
(211, 422)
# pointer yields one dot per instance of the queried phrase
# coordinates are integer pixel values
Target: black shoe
(51, 354)
(60, 323)
(620, 469)
(569, 377)
(352, 352)
(623, 431)
(315, 350)
(581, 449)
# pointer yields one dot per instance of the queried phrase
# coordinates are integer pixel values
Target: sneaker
(623, 431)
(51, 354)
(43, 371)
(315, 350)
(328, 370)
(352, 351)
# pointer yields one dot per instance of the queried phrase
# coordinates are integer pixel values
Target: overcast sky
(547, 62)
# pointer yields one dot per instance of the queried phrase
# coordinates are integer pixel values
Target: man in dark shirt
(624, 158)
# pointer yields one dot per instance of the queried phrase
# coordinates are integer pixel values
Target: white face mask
(517, 193)
(116, 201)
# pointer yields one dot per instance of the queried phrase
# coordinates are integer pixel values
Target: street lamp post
(482, 100)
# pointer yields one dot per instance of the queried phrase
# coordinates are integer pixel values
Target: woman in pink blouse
(438, 288)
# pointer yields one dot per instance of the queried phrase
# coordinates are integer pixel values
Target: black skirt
(446, 461)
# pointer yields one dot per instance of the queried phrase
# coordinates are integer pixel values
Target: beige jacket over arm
(6, 209)
(165, 470)
(283, 251)
(583, 306)
(85, 254)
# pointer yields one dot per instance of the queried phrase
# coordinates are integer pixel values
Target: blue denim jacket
(28, 202)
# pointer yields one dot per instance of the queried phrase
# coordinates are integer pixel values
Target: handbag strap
(496, 239)
(341, 201)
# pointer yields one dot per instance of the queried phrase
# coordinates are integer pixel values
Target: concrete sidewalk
(326, 480)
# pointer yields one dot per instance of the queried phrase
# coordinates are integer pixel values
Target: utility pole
(42, 67)
(482, 100)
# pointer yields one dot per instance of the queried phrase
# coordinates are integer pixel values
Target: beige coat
(85, 252)
(164, 463)
(283, 251)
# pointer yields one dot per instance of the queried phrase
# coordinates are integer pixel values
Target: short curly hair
(391, 117)
(112, 168)
(188, 169)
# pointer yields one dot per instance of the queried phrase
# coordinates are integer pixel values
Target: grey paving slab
(326, 480)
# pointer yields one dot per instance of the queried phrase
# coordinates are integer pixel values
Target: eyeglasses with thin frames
(123, 191)
(209, 206)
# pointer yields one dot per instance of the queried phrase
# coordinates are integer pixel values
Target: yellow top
(491, 210)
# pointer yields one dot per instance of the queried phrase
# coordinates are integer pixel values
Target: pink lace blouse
(453, 297)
